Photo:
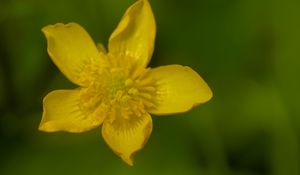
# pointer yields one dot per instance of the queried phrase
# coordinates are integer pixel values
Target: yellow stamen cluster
(119, 94)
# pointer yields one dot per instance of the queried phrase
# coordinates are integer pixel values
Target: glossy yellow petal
(134, 36)
(179, 88)
(73, 51)
(126, 136)
(63, 112)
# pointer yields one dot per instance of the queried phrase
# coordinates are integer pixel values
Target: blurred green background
(248, 51)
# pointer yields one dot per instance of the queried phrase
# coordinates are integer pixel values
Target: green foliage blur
(248, 51)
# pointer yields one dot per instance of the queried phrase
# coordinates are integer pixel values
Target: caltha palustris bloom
(116, 89)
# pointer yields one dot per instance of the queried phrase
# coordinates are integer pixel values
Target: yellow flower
(116, 89)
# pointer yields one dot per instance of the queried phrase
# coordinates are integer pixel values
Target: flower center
(115, 86)
(119, 94)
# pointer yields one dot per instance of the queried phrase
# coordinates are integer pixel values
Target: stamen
(148, 104)
(128, 82)
(143, 73)
(148, 88)
(145, 95)
(125, 99)
(147, 81)
(133, 91)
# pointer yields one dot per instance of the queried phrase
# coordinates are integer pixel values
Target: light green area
(247, 51)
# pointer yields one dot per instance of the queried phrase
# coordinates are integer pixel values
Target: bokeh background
(248, 52)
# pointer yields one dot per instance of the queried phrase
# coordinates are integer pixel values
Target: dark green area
(248, 52)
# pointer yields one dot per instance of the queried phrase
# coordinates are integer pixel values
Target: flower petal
(126, 136)
(72, 50)
(62, 112)
(134, 37)
(179, 88)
